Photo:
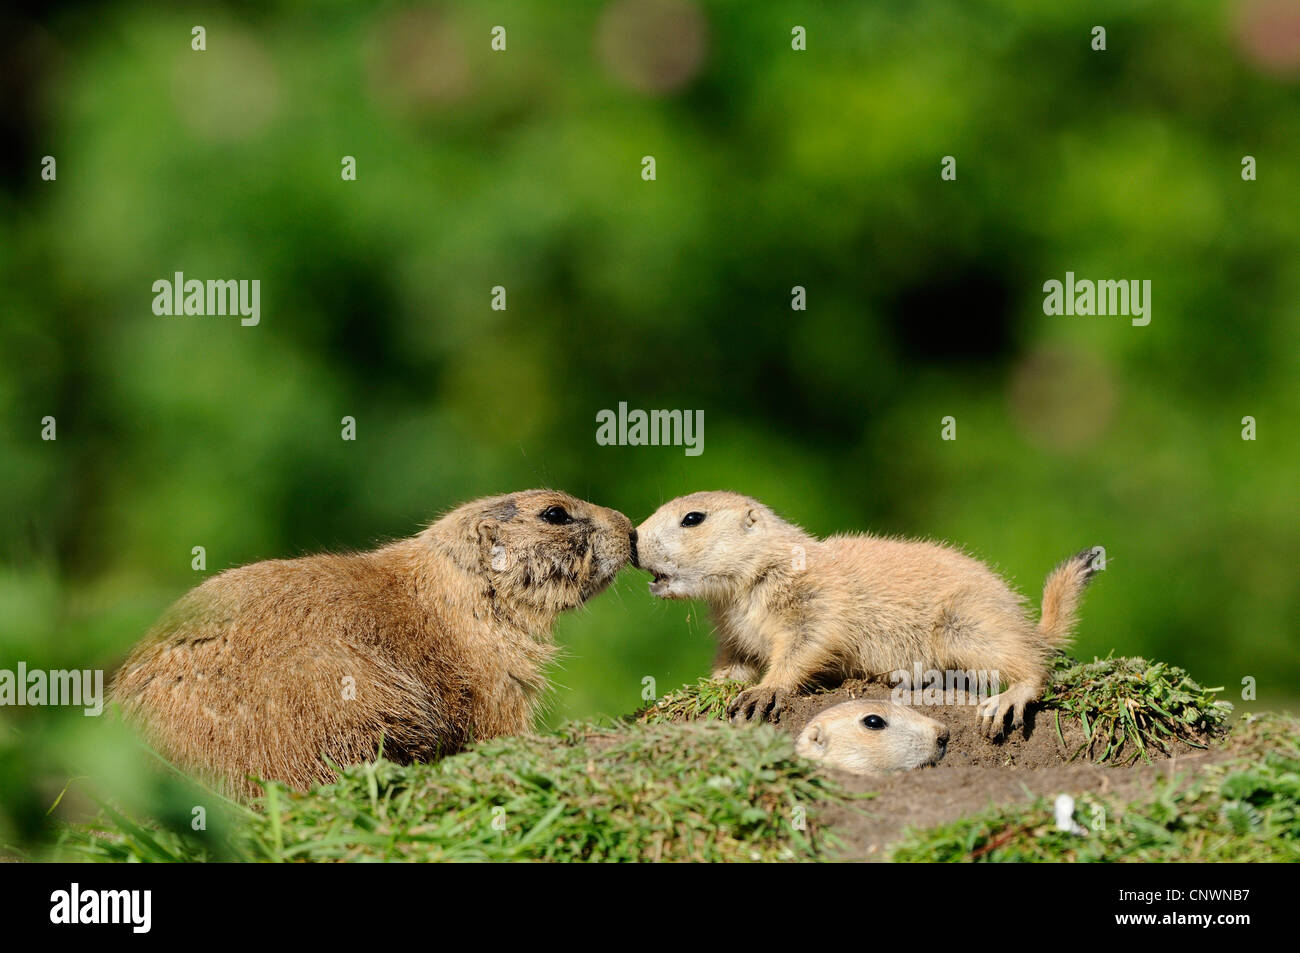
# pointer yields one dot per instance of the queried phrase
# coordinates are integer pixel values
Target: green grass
(1129, 707)
(674, 783)
(705, 700)
(1246, 810)
(704, 792)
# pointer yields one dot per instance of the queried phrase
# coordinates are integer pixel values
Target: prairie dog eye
(874, 722)
(556, 516)
(694, 518)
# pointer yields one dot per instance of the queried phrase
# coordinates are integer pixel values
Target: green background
(775, 168)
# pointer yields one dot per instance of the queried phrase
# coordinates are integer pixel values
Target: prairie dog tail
(1061, 595)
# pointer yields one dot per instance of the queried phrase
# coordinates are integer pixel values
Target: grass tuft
(706, 700)
(1129, 707)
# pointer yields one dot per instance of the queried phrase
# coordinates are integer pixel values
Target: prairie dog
(427, 643)
(793, 608)
(873, 737)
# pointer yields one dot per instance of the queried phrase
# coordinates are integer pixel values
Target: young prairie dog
(425, 644)
(794, 609)
(873, 737)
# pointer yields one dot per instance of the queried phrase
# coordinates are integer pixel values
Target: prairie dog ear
(752, 518)
(489, 531)
(492, 552)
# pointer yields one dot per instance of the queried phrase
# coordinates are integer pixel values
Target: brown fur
(277, 668)
(797, 609)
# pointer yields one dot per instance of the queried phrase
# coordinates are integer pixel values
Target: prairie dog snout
(873, 737)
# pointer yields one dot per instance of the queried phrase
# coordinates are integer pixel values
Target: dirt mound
(977, 772)
(1046, 740)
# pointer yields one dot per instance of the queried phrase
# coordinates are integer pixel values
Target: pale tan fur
(277, 668)
(902, 738)
(795, 609)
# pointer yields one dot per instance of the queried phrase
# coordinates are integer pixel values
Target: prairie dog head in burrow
(541, 549)
(873, 737)
(711, 545)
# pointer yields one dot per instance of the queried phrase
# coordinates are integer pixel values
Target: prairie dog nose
(942, 737)
(632, 541)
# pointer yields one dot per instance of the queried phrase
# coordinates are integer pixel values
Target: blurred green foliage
(522, 168)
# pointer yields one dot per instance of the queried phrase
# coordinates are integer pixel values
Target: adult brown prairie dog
(425, 644)
(794, 609)
(873, 737)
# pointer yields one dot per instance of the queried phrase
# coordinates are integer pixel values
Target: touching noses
(632, 540)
